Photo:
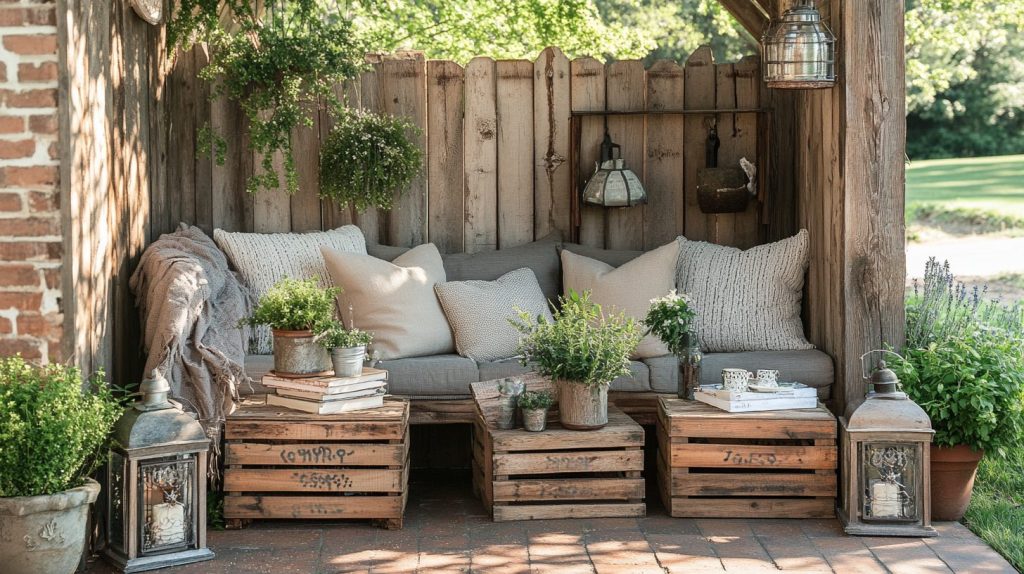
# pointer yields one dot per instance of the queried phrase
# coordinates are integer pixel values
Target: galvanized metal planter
(582, 406)
(348, 361)
(535, 420)
(297, 353)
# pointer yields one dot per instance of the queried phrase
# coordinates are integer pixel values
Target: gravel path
(969, 256)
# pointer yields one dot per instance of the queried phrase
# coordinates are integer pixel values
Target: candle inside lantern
(885, 500)
(167, 525)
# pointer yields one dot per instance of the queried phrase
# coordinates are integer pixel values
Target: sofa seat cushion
(434, 376)
(637, 381)
(810, 367)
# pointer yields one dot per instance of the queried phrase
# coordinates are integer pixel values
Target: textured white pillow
(263, 259)
(479, 312)
(746, 300)
(627, 289)
(394, 300)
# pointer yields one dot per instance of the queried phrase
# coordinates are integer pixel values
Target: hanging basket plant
(368, 159)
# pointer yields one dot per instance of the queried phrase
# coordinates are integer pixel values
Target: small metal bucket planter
(348, 361)
(299, 354)
(535, 420)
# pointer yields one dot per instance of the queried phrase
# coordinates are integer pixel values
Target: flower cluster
(669, 318)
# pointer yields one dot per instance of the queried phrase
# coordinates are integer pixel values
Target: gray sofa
(446, 377)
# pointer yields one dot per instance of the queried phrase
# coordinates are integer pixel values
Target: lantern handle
(863, 370)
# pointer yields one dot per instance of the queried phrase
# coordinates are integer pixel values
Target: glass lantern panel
(890, 474)
(116, 471)
(167, 491)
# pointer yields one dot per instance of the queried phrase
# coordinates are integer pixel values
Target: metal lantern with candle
(885, 449)
(156, 485)
(799, 50)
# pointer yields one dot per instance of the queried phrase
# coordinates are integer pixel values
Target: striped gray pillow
(746, 300)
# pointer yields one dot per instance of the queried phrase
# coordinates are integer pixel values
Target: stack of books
(328, 395)
(789, 396)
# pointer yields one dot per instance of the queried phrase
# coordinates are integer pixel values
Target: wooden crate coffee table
(281, 463)
(558, 473)
(773, 464)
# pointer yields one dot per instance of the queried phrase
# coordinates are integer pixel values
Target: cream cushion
(479, 312)
(264, 259)
(394, 300)
(627, 289)
(746, 300)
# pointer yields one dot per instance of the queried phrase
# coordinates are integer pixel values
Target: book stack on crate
(788, 396)
(328, 395)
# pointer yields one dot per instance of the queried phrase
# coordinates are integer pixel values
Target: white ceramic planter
(45, 533)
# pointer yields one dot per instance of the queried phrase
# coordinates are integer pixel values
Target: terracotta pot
(582, 406)
(297, 353)
(953, 470)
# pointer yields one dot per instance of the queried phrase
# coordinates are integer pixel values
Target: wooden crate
(776, 464)
(558, 473)
(281, 463)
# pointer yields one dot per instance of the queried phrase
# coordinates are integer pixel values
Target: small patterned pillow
(263, 259)
(478, 312)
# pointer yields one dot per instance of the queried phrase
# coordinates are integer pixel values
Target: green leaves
(531, 400)
(53, 433)
(334, 335)
(296, 305)
(669, 319)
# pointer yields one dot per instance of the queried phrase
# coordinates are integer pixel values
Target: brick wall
(30, 227)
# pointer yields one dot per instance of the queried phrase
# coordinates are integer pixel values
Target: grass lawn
(997, 507)
(994, 184)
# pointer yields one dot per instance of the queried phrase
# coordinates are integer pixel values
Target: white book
(743, 406)
(329, 397)
(786, 390)
(369, 374)
(299, 387)
(318, 408)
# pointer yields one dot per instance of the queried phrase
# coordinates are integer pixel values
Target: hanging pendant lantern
(799, 50)
(612, 185)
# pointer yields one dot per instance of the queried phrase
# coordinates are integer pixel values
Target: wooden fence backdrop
(496, 143)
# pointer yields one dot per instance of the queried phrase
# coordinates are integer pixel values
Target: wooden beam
(749, 14)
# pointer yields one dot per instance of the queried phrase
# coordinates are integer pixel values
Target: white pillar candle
(167, 525)
(885, 500)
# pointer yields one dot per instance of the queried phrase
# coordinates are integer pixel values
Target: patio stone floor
(447, 530)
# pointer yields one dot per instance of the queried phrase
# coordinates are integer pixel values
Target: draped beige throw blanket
(190, 303)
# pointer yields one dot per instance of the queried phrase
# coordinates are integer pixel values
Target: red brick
(30, 251)
(42, 326)
(42, 124)
(32, 45)
(42, 98)
(52, 277)
(13, 124)
(27, 17)
(19, 300)
(27, 348)
(26, 176)
(43, 201)
(5, 326)
(14, 149)
(10, 202)
(29, 226)
(56, 349)
(18, 275)
(45, 72)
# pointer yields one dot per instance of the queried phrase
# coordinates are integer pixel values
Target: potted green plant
(582, 350)
(347, 348)
(367, 158)
(670, 318)
(296, 312)
(535, 405)
(963, 363)
(53, 435)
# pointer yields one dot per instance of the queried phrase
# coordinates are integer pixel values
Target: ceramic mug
(736, 380)
(768, 377)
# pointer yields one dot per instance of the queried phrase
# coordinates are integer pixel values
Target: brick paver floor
(447, 530)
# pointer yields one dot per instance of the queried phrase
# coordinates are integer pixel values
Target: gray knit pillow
(263, 259)
(478, 312)
(746, 300)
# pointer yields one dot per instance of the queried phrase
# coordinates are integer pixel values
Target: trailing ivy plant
(280, 63)
(367, 158)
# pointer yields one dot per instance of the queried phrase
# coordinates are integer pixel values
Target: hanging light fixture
(612, 185)
(798, 50)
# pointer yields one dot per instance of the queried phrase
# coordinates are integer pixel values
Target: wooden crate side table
(558, 473)
(281, 463)
(774, 464)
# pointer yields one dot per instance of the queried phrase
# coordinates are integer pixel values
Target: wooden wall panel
(514, 110)
(664, 216)
(627, 92)
(304, 205)
(588, 95)
(371, 221)
(481, 157)
(403, 84)
(699, 95)
(446, 196)
(551, 111)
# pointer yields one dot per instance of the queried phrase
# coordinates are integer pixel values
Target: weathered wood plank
(481, 156)
(722, 226)
(557, 489)
(551, 112)
(627, 91)
(305, 203)
(446, 189)
(334, 214)
(699, 94)
(751, 484)
(574, 461)
(552, 511)
(664, 215)
(403, 88)
(292, 430)
(696, 455)
(232, 206)
(752, 508)
(272, 208)
(314, 507)
(747, 79)
(315, 454)
(516, 123)
(371, 221)
(312, 480)
(588, 94)
(203, 162)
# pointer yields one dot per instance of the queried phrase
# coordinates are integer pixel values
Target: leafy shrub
(295, 305)
(669, 319)
(532, 400)
(582, 344)
(367, 158)
(53, 432)
(335, 335)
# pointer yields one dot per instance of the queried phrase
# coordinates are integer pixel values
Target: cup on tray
(736, 380)
(768, 378)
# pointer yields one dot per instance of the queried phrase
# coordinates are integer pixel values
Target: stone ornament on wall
(151, 11)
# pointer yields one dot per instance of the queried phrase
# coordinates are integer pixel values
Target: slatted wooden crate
(776, 464)
(282, 463)
(558, 473)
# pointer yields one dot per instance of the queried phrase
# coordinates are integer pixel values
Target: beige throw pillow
(627, 289)
(479, 312)
(394, 300)
(746, 300)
